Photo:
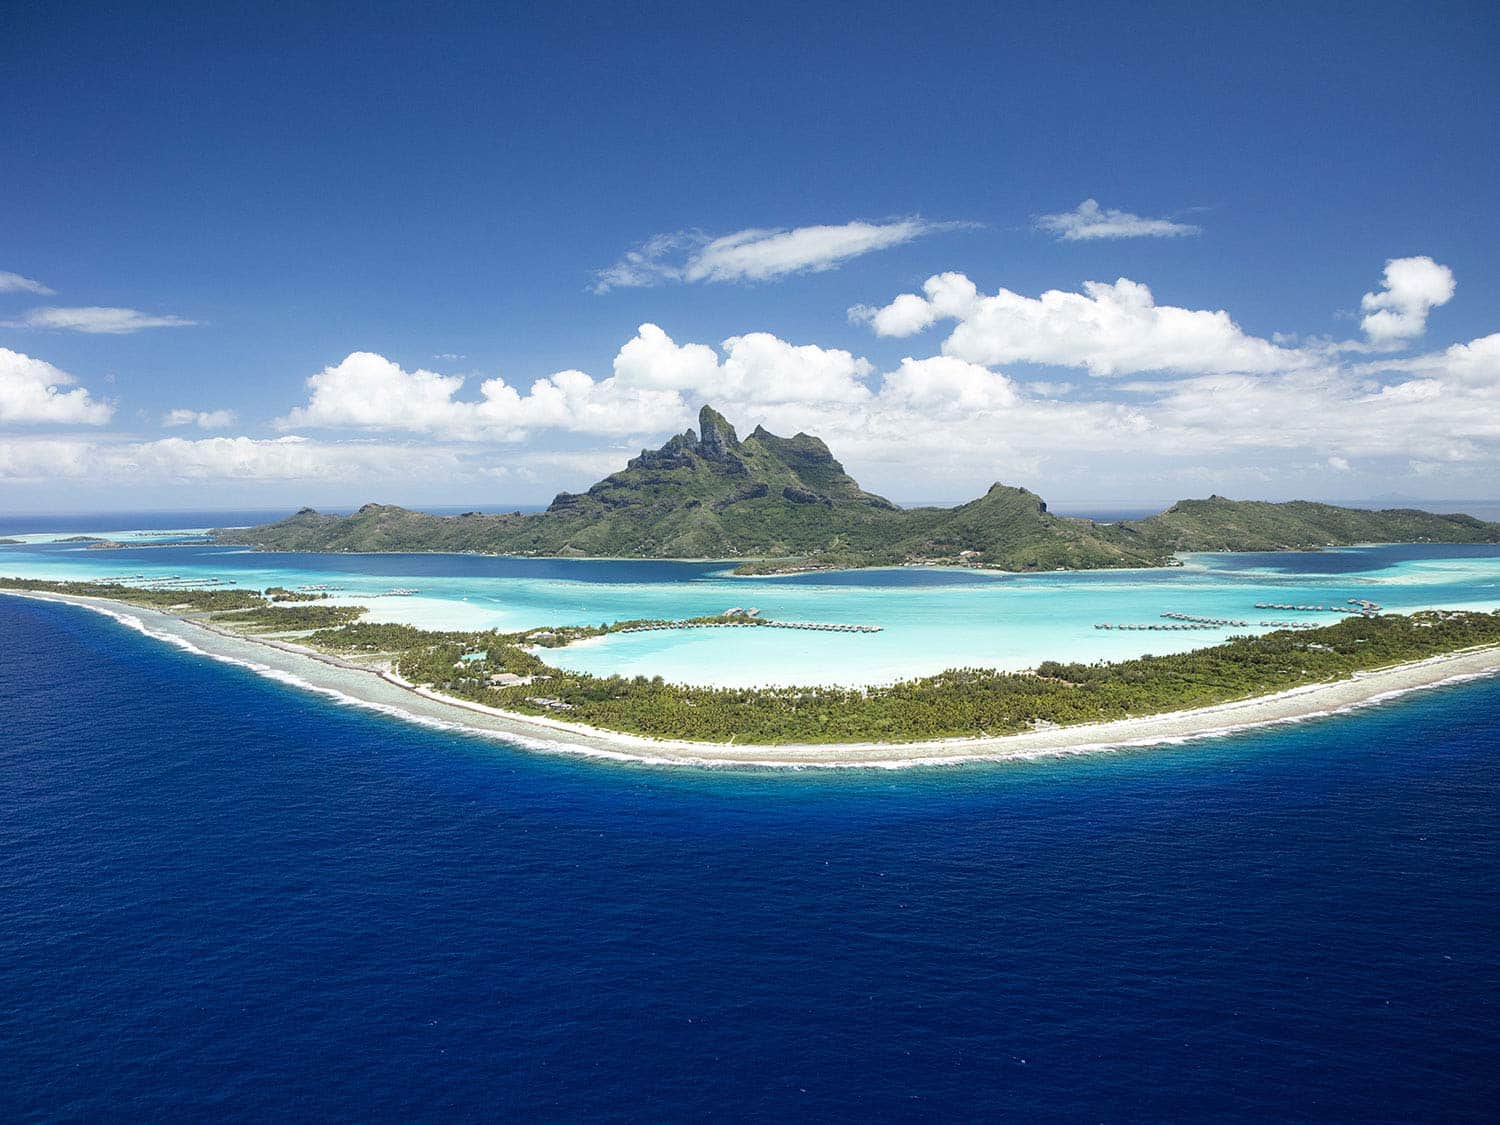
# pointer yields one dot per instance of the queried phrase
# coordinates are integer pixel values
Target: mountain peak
(716, 435)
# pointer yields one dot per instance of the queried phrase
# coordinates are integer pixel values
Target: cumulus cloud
(757, 367)
(15, 283)
(652, 374)
(367, 391)
(1476, 363)
(653, 359)
(944, 385)
(1089, 221)
(1107, 329)
(370, 392)
(95, 320)
(31, 392)
(1396, 313)
(756, 254)
(203, 419)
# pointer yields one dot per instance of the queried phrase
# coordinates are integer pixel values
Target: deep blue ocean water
(225, 899)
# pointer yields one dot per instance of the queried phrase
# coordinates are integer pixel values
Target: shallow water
(930, 619)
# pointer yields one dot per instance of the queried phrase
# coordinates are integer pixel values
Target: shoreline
(383, 691)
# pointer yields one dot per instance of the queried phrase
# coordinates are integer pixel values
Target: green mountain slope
(787, 503)
(1010, 528)
(1217, 524)
(715, 496)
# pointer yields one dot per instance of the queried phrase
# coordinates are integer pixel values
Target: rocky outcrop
(718, 441)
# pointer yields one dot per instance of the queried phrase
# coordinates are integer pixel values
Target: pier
(1355, 605)
(1184, 622)
(175, 582)
(759, 623)
(1157, 627)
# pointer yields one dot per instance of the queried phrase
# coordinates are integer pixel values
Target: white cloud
(652, 374)
(1090, 221)
(96, 319)
(289, 458)
(652, 359)
(285, 458)
(757, 367)
(1396, 313)
(944, 385)
(203, 419)
(15, 283)
(30, 392)
(948, 296)
(1108, 329)
(755, 254)
(43, 460)
(369, 392)
(576, 402)
(1476, 363)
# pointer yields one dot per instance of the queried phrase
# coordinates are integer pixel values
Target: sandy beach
(356, 685)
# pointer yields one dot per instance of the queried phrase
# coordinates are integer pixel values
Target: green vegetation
(206, 601)
(237, 609)
(785, 504)
(1217, 524)
(282, 594)
(956, 703)
(960, 702)
(289, 618)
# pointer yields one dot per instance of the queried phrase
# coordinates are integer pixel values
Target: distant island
(787, 505)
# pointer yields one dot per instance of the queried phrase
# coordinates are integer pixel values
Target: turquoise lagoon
(931, 619)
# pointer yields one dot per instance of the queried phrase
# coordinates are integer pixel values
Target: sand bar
(357, 685)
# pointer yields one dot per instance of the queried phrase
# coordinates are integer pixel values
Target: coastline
(733, 562)
(383, 691)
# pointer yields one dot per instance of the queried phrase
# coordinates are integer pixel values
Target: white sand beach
(356, 685)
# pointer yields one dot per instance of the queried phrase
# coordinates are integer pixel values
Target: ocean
(225, 899)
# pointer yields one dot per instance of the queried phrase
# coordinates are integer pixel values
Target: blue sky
(384, 200)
